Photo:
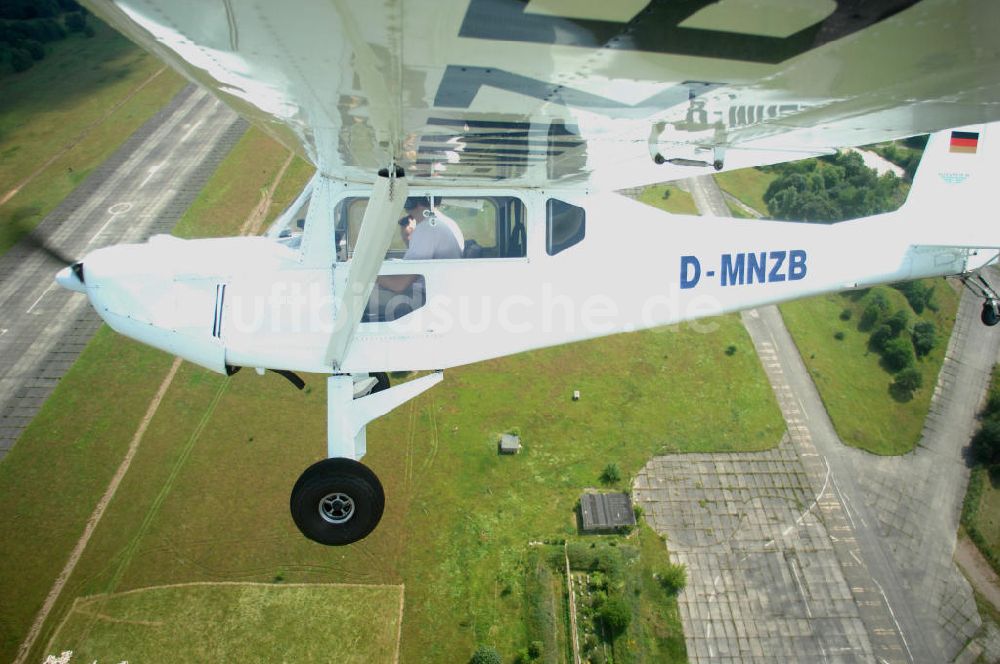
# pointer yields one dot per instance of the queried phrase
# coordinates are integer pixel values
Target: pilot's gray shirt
(436, 237)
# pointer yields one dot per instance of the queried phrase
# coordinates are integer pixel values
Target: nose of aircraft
(71, 278)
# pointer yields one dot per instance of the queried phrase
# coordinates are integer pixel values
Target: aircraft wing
(578, 92)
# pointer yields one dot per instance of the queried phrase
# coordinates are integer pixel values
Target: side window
(565, 225)
(490, 227)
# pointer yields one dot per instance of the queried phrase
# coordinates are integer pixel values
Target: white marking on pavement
(35, 303)
(190, 131)
(892, 614)
(798, 584)
(152, 172)
(843, 501)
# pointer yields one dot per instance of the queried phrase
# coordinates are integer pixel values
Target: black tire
(381, 381)
(337, 502)
(990, 315)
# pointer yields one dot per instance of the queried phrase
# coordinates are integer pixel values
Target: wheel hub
(336, 508)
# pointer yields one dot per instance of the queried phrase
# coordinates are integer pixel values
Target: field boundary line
(399, 628)
(264, 584)
(95, 517)
(79, 138)
(256, 217)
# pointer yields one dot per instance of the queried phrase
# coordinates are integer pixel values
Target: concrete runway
(141, 190)
(768, 578)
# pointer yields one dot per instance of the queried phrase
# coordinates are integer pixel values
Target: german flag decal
(964, 141)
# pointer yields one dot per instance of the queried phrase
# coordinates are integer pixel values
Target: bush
(846, 314)
(917, 293)
(615, 615)
(35, 48)
(898, 322)
(486, 655)
(611, 474)
(869, 317)
(838, 335)
(673, 578)
(20, 60)
(880, 337)
(924, 337)
(898, 354)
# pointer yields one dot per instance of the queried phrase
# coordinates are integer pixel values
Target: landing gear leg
(339, 500)
(991, 304)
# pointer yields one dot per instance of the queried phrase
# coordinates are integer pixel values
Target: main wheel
(337, 501)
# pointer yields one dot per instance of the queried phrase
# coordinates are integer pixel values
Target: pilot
(406, 230)
(434, 235)
(429, 235)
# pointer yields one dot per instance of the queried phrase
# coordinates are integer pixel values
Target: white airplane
(506, 127)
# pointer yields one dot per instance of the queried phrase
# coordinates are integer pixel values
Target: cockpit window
(489, 227)
(565, 225)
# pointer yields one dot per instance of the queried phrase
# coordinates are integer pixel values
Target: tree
(76, 21)
(615, 615)
(486, 655)
(985, 446)
(898, 322)
(869, 317)
(879, 338)
(611, 474)
(924, 337)
(907, 382)
(898, 354)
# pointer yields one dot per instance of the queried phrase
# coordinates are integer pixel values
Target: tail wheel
(381, 381)
(991, 313)
(337, 501)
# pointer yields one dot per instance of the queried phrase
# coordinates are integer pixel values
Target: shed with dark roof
(606, 511)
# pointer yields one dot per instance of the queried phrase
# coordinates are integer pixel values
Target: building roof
(604, 511)
(509, 443)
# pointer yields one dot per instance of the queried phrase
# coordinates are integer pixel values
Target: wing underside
(595, 94)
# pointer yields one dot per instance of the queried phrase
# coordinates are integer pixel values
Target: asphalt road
(141, 190)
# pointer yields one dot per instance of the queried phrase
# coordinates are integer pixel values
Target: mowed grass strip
(63, 102)
(668, 197)
(235, 623)
(849, 377)
(748, 185)
(61, 465)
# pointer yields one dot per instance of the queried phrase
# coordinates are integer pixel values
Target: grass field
(206, 498)
(668, 197)
(78, 105)
(748, 185)
(981, 508)
(853, 385)
(987, 519)
(235, 623)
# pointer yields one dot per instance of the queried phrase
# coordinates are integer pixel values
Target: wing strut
(352, 291)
